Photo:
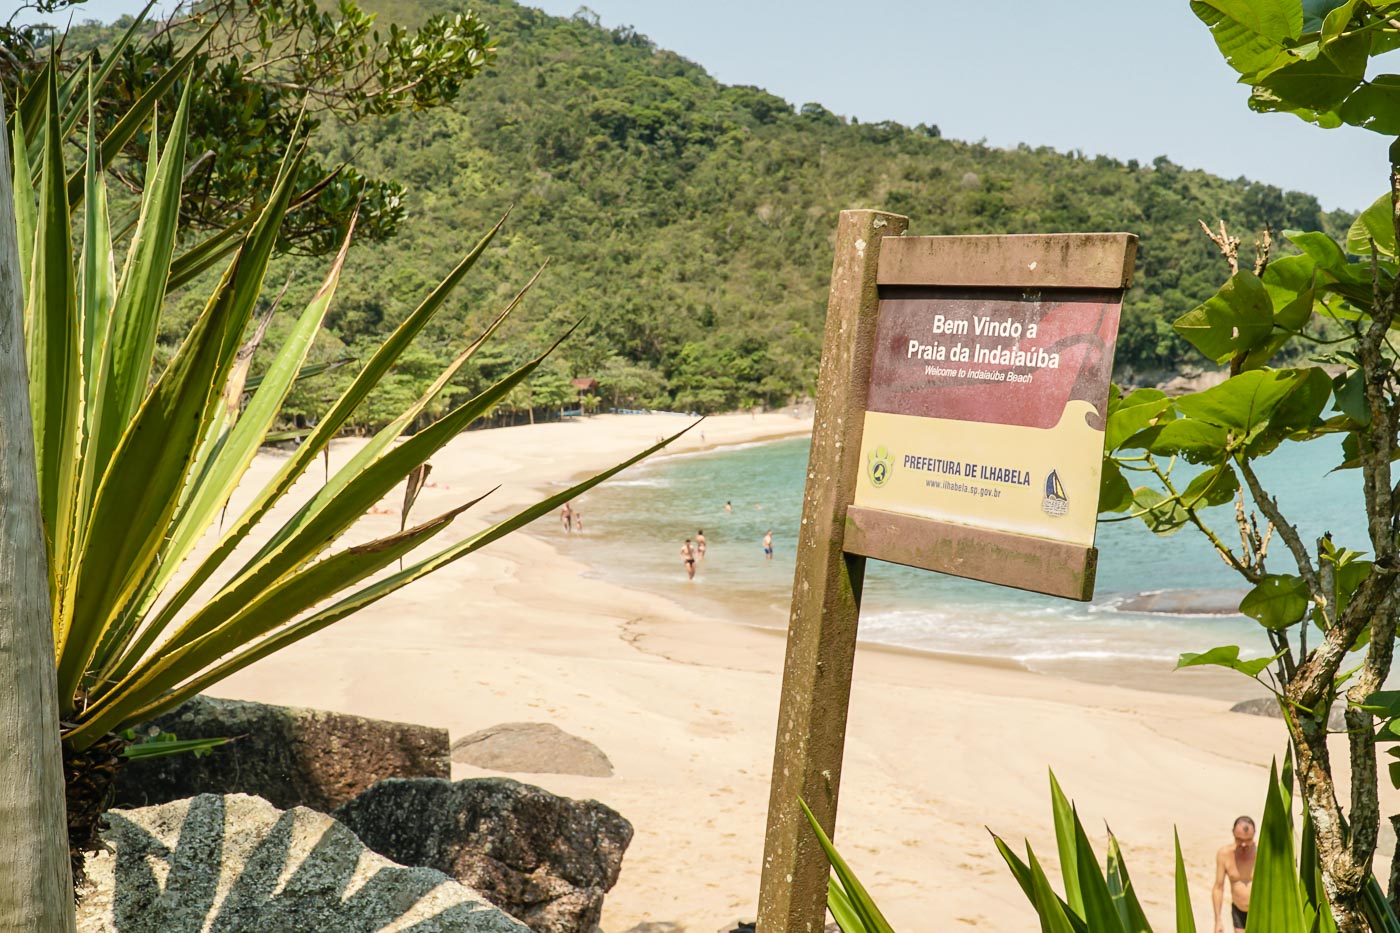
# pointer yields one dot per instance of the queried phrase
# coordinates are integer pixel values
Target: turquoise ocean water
(1156, 597)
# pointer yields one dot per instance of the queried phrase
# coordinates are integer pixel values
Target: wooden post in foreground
(826, 594)
(36, 887)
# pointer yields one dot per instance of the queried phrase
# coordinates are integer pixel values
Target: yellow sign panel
(1029, 481)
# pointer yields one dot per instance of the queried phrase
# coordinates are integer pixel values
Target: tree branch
(1269, 506)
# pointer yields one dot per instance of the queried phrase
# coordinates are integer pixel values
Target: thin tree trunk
(36, 887)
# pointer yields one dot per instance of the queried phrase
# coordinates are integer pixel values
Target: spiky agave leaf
(861, 904)
(139, 472)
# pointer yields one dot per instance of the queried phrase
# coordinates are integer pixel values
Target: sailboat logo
(1055, 501)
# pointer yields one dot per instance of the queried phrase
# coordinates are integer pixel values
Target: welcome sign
(986, 405)
(988, 409)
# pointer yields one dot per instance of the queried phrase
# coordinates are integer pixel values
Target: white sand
(685, 707)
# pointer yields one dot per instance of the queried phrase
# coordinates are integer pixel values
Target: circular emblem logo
(880, 465)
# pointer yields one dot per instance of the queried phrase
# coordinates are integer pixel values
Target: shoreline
(1127, 671)
(686, 711)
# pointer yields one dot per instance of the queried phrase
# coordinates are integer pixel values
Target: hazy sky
(1133, 80)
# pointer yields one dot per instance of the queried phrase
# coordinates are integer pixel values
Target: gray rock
(546, 860)
(236, 864)
(1268, 706)
(533, 747)
(657, 926)
(288, 755)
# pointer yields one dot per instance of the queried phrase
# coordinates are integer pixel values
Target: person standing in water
(728, 506)
(700, 544)
(688, 558)
(1235, 862)
(768, 544)
(566, 517)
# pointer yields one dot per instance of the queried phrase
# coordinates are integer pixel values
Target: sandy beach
(685, 707)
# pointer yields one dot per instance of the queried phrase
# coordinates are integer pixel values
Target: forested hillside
(689, 223)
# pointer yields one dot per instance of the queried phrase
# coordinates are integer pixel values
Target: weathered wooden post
(961, 409)
(826, 593)
(36, 887)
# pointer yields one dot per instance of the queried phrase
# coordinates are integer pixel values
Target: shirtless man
(566, 517)
(768, 544)
(700, 544)
(1236, 862)
(688, 556)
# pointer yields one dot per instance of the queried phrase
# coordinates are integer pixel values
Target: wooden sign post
(959, 428)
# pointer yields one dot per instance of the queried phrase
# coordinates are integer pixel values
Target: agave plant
(136, 466)
(1287, 894)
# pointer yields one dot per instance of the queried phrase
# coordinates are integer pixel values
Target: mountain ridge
(690, 222)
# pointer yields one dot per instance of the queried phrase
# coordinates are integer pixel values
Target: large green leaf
(29, 113)
(1115, 495)
(206, 253)
(1212, 487)
(1275, 899)
(1247, 404)
(1236, 319)
(1197, 441)
(1330, 257)
(1297, 415)
(1323, 81)
(1316, 12)
(1132, 413)
(1375, 106)
(1292, 315)
(1250, 34)
(1351, 396)
(1163, 515)
(1376, 223)
(1226, 656)
(1277, 601)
